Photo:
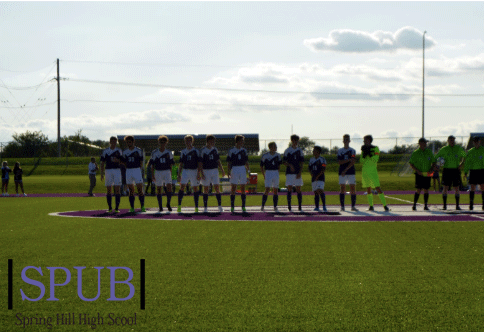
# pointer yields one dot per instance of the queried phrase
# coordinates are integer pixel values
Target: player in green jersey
(369, 157)
(475, 164)
(451, 175)
(422, 162)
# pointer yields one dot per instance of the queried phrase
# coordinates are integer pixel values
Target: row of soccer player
(204, 166)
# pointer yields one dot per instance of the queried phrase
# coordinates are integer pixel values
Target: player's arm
(247, 166)
(262, 168)
(415, 169)
(153, 170)
(229, 168)
(180, 168)
(221, 167)
(102, 170)
(352, 161)
(301, 165)
(463, 155)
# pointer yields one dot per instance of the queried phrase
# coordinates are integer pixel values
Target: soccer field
(211, 274)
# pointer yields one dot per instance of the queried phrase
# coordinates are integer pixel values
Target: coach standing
(422, 162)
(93, 168)
(453, 156)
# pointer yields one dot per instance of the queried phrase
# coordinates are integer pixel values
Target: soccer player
(5, 178)
(17, 178)
(238, 165)
(133, 159)
(451, 177)
(92, 170)
(270, 164)
(475, 164)
(188, 171)
(346, 160)
(209, 164)
(294, 161)
(422, 162)
(317, 166)
(162, 161)
(369, 157)
(110, 170)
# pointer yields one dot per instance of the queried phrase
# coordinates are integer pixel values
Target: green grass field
(257, 276)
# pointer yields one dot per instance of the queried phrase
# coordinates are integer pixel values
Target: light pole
(423, 83)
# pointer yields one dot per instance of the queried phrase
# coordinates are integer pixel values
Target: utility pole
(58, 111)
(423, 83)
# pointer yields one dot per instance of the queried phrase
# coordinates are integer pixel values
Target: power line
(269, 91)
(21, 71)
(259, 105)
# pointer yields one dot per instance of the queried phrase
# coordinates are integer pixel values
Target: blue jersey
(209, 158)
(346, 154)
(133, 158)
(237, 157)
(108, 155)
(271, 162)
(190, 158)
(162, 161)
(316, 165)
(5, 172)
(294, 157)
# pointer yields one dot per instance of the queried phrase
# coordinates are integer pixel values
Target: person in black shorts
(422, 162)
(474, 165)
(17, 178)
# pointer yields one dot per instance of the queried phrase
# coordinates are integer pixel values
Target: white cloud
(346, 40)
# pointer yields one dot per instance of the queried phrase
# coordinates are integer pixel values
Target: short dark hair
(294, 137)
(476, 138)
(346, 135)
(113, 138)
(210, 137)
(272, 144)
(162, 138)
(129, 138)
(92, 158)
(238, 138)
(368, 137)
(318, 148)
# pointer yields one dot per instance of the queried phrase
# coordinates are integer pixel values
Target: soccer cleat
(299, 209)
(143, 209)
(316, 209)
(178, 209)
(244, 210)
(220, 209)
(196, 210)
(444, 208)
(387, 209)
(276, 209)
(169, 208)
(426, 208)
(371, 208)
(109, 211)
(17, 195)
(414, 208)
(232, 210)
(205, 210)
(131, 210)
(289, 208)
(324, 209)
(116, 211)
(353, 208)
(471, 207)
(262, 208)
(160, 209)
(457, 208)
(342, 209)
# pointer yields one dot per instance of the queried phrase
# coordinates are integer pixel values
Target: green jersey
(370, 162)
(422, 159)
(474, 159)
(452, 155)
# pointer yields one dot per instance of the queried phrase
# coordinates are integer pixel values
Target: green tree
(27, 145)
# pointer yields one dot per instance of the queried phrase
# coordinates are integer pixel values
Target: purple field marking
(264, 216)
(390, 192)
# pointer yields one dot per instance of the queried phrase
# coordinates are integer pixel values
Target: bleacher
(176, 143)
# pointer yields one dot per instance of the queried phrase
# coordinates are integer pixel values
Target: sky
(316, 69)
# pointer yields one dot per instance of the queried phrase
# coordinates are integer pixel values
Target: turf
(217, 275)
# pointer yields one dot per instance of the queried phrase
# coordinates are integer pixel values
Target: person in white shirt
(93, 168)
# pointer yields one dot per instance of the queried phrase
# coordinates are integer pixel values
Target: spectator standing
(93, 168)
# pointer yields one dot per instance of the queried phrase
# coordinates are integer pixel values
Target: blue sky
(325, 68)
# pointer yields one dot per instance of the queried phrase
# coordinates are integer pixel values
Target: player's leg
(16, 187)
(353, 194)
(141, 195)
(416, 197)
(181, 192)
(381, 195)
(168, 196)
(457, 182)
(299, 197)
(131, 196)
(218, 196)
(317, 192)
(243, 196)
(117, 197)
(264, 197)
(369, 195)
(275, 197)
(205, 198)
(472, 192)
(233, 189)
(289, 197)
(342, 191)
